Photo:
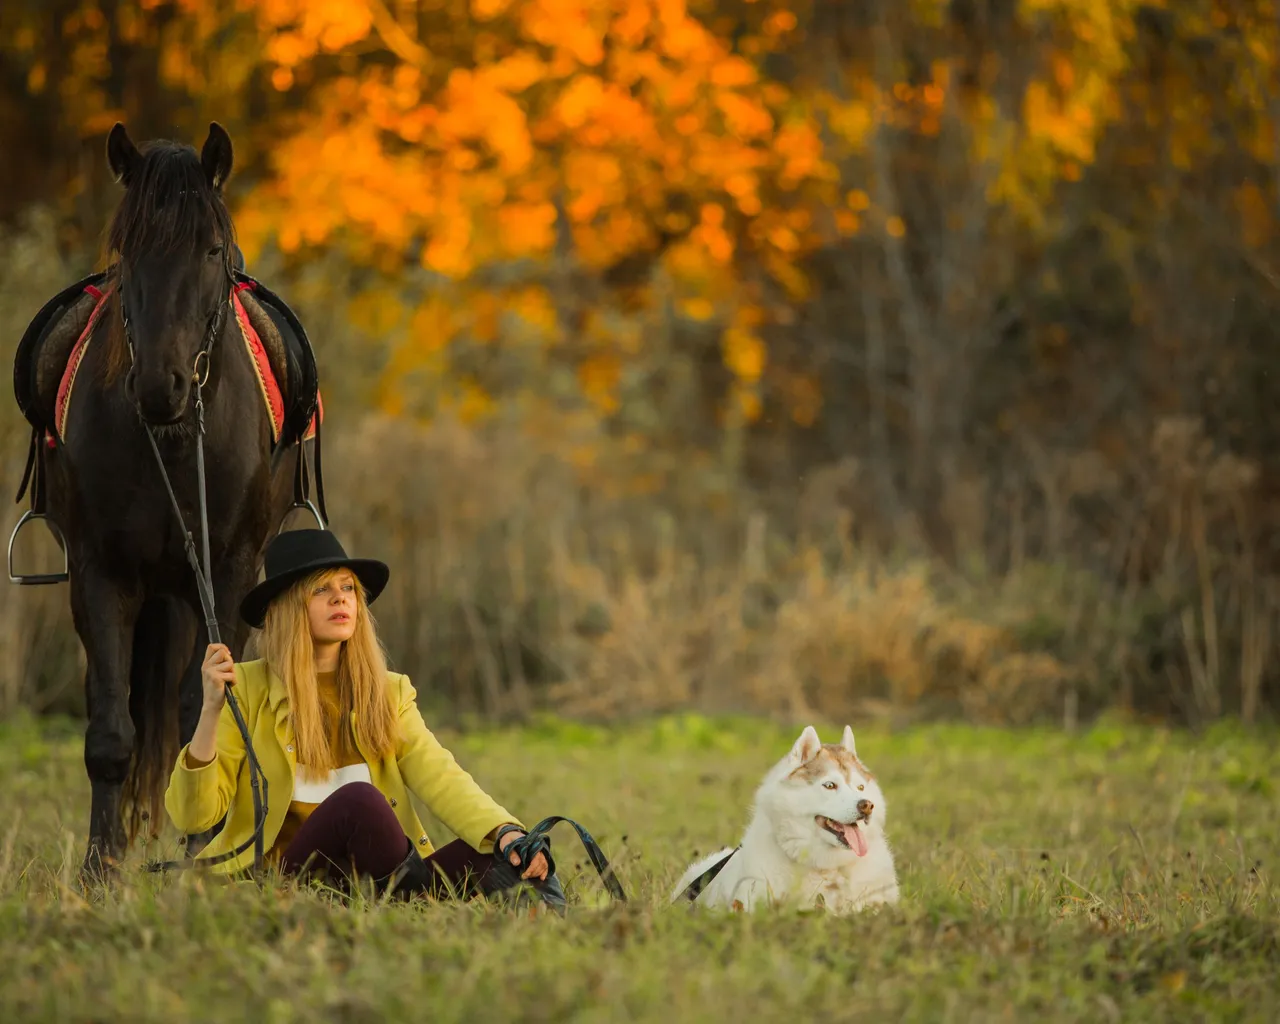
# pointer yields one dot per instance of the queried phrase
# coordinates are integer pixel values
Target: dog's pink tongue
(856, 840)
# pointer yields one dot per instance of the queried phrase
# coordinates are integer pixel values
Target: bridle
(204, 572)
(212, 329)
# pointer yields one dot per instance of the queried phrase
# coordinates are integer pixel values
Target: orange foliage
(468, 134)
(672, 111)
(623, 112)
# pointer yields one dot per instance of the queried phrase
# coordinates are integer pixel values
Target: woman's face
(332, 609)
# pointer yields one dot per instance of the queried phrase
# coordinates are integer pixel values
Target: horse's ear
(122, 155)
(215, 158)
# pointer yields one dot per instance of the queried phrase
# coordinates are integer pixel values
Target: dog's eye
(828, 785)
(861, 788)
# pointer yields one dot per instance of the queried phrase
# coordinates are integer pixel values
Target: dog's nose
(865, 807)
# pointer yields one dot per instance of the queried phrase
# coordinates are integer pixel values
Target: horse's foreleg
(191, 690)
(104, 616)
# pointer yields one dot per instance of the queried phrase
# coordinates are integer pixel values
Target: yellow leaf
(515, 73)
(779, 23)
(629, 27)
(599, 376)
(743, 353)
(485, 311)
(447, 252)
(698, 309)
(580, 100)
(527, 228)
(432, 326)
(748, 403)
(484, 10)
(745, 118)
(784, 238)
(847, 222)
(472, 403)
(716, 241)
(851, 121)
(533, 305)
(732, 72)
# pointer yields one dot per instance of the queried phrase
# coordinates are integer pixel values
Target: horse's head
(172, 236)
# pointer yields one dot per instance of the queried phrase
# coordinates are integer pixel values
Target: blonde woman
(341, 743)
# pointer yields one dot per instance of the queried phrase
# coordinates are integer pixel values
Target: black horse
(168, 318)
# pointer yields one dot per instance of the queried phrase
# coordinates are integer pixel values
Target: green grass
(1121, 874)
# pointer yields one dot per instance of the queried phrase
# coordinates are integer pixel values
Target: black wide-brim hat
(295, 555)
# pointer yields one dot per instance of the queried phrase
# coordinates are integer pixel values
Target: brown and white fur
(816, 837)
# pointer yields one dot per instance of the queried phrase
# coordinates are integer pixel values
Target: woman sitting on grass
(341, 744)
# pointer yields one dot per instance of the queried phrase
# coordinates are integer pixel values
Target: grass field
(1123, 874)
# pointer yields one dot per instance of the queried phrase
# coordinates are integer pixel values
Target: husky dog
(816, 838)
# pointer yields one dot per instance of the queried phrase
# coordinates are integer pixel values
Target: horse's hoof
(98, 871)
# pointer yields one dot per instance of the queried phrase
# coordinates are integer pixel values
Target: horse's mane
(167, 207)
(167, 204)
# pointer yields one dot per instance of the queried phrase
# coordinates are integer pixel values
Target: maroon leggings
(354, 832)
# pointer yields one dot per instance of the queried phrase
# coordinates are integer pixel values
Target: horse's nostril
(160, 396)
(865, 806)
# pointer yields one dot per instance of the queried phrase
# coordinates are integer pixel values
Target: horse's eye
(215, 252)
(828, 785)
(861, 788)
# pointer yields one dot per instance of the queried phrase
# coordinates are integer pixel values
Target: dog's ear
(806, 747)
(846, 741)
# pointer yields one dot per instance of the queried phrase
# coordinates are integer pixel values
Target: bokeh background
(861, 358)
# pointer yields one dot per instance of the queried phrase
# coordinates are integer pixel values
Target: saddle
(48, 357)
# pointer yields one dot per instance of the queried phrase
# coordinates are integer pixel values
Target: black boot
(414, 876)
(502, 884)
(411, 876)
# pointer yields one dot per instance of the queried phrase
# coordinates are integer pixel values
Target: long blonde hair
(286, 646)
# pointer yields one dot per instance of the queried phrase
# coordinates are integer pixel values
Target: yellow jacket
(198, 797)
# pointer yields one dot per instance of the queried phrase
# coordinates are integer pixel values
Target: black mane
(168, 205)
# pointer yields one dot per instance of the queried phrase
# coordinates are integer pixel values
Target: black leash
(694, 889)
(538, 840)
(204, 586)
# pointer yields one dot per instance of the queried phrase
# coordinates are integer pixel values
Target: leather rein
(204, 572)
